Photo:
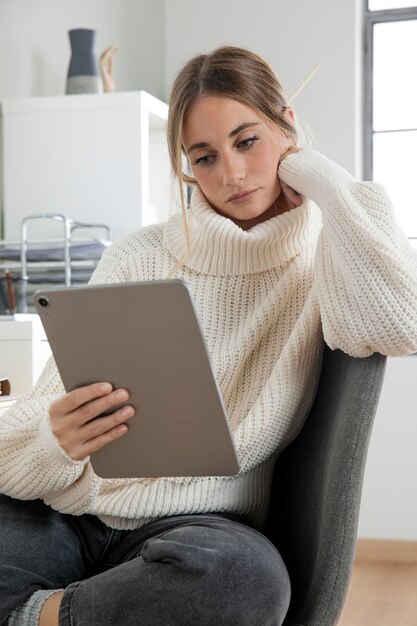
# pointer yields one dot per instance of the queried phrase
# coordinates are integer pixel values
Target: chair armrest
(317, 485)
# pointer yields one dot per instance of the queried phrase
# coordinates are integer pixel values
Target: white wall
(293, 36)
(35, 50)
(389, 502)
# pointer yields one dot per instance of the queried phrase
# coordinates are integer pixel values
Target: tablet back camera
(43, 301)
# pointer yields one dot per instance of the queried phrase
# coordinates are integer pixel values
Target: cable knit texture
(337, 266)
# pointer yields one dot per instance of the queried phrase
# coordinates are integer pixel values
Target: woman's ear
(290, 114)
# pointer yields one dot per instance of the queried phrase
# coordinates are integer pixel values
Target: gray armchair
(317, 484)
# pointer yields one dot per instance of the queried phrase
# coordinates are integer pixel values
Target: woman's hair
(230, 72)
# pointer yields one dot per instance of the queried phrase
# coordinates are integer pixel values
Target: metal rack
(62, 260)
(69, 226)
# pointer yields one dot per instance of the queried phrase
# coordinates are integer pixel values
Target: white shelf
(127, 99)
(24, 351)
(93, 157)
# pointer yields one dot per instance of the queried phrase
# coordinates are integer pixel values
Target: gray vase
(83, 72)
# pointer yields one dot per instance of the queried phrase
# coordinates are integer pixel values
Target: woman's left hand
(290, 150)
(293, 198)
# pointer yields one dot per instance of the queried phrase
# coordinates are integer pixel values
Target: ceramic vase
(83, 72)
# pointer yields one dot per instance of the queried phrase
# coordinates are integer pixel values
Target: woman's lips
(242, 196)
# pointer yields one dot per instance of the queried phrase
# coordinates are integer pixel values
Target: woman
(280, 247)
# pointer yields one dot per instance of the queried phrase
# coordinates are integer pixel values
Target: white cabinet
(24, 350)
(98, 158)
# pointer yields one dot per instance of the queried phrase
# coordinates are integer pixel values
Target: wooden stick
(304, 83)
(10, 292)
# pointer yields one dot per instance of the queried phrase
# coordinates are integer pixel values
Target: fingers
(101, 425)
(291, 195)
(75, 422)
(100, 433)
(93, 408)
(290, 150)
(76, 398)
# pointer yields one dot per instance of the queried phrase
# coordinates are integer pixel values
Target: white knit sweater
(338, 266)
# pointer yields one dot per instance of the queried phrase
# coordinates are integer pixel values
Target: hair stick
(304, 83)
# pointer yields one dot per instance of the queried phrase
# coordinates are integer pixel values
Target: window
(383, 5)
(391, 104)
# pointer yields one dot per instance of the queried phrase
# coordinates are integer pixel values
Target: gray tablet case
(144, 337)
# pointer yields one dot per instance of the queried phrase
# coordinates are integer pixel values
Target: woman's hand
(293, 198)
(75, 422)
(290, 150)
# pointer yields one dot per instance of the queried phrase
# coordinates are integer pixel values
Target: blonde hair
(231, 72)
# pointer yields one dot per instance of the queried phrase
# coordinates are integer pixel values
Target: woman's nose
(233, 170)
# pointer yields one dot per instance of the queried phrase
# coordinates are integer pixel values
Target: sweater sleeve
(33, 464)
(365, 269)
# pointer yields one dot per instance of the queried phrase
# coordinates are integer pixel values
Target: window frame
(370, 19)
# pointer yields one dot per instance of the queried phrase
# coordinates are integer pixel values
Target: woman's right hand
(75, 422)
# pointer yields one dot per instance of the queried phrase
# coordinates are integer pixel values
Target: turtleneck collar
(220, 247)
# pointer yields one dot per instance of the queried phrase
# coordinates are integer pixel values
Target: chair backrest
(317, 485)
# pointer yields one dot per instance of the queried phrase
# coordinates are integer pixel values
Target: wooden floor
(382, 593)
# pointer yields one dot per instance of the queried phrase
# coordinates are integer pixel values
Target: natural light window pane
(394, 167)
(395, 77)
(382, 5)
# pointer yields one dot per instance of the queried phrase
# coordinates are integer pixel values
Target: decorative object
(4, 387)
(106, 68)
(83, 72)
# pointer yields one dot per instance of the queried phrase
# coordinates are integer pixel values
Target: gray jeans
(206, 569)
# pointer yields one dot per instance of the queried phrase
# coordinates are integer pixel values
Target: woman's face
(234, 156)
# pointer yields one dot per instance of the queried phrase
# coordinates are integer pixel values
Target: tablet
(144, 337)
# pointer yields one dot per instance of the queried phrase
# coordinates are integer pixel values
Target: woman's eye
(247, 143)
(204, 160)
